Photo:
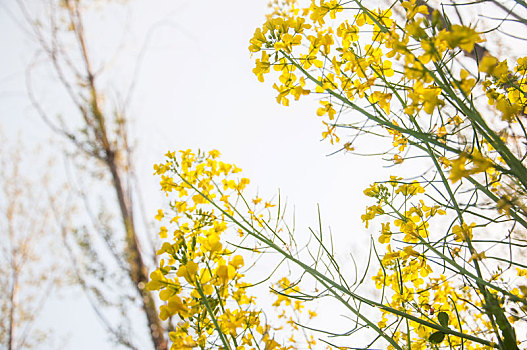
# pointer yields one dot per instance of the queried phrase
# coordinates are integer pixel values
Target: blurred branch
(101, 136)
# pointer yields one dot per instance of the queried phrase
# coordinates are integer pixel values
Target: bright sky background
(196, 90)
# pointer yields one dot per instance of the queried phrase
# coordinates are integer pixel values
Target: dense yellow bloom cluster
(409, 283)
(199, 276)
(333, 59)
(394, 65)
(505, 89)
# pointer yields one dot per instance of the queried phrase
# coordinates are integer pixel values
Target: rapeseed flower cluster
(204, 293)
(414, 281)
(394, 65)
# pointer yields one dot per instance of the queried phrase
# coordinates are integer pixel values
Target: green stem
(211, 314)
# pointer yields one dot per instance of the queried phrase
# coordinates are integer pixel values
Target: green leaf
(436, 337)
(443, 318)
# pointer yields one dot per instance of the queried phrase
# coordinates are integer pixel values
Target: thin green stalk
(211, 314)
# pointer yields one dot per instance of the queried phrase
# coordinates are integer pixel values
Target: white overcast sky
(196, 90)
